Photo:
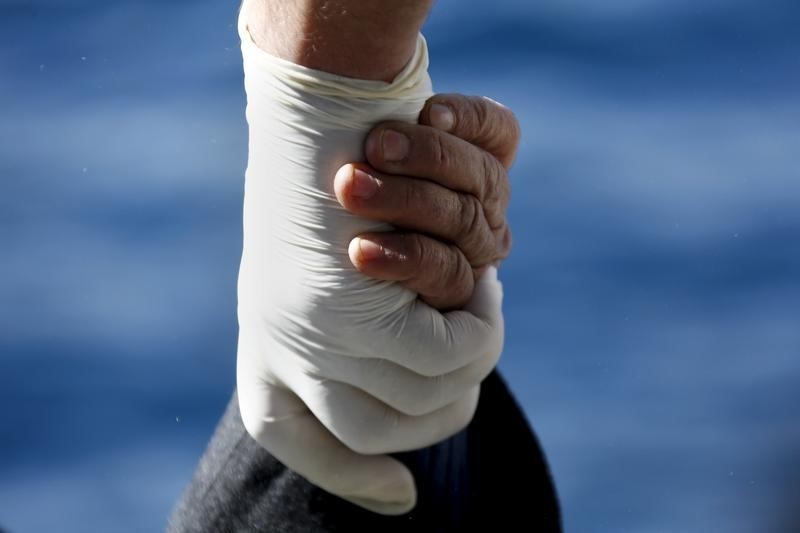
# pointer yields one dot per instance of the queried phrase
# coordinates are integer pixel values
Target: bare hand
(444, 184)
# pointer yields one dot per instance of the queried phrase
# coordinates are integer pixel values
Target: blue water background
(652, 298)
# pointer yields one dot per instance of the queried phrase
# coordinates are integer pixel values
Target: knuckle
(363, 438)
(506, 193)
(432, 350)
(440, 155)
(491, 175)
(472, 237)
(418, 254)
(416, 406)
(502, 130)
(425, 398)
(469, 217)
(496, 189)
(254, 422)
(432, 366)
(451, 267)
(502, 238)
(481, 109)
(459, 267)
(464, 274)
(509, 240)
(512, 123)
(357, 441)
(449, 280)
(463, 282)
(513, 134)
(514, 139)
(507, 118)
(437, 271)
(466, 409)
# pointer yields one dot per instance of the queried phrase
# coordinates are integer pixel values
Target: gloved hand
(335, 368)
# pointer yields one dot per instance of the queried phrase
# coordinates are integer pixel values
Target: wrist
(351, 38)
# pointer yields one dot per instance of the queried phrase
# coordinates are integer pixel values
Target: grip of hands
(334, 369)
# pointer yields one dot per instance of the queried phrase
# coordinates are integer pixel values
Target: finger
(438, 272)
(504, 237)
(280, 422)
(443, 342)
(424, 152)
(369, 426)
(423, 206)
(376, 482)
(363, 423)
(401, 389)
(476, 119)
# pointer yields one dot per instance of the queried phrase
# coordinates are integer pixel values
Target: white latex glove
(336, 369)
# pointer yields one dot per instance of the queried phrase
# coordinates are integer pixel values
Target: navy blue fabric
(491, 475)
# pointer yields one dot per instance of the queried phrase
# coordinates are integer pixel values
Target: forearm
(364, 39)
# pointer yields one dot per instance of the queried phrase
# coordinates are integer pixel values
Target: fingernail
(394, 144)
(442, 117)
(363, 186)
(369, 250)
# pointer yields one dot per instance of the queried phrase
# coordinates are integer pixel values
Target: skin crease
(353, 38)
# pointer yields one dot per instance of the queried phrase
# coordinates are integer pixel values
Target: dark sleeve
(490, 475)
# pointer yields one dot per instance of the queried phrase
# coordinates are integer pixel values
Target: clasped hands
(443, 185)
